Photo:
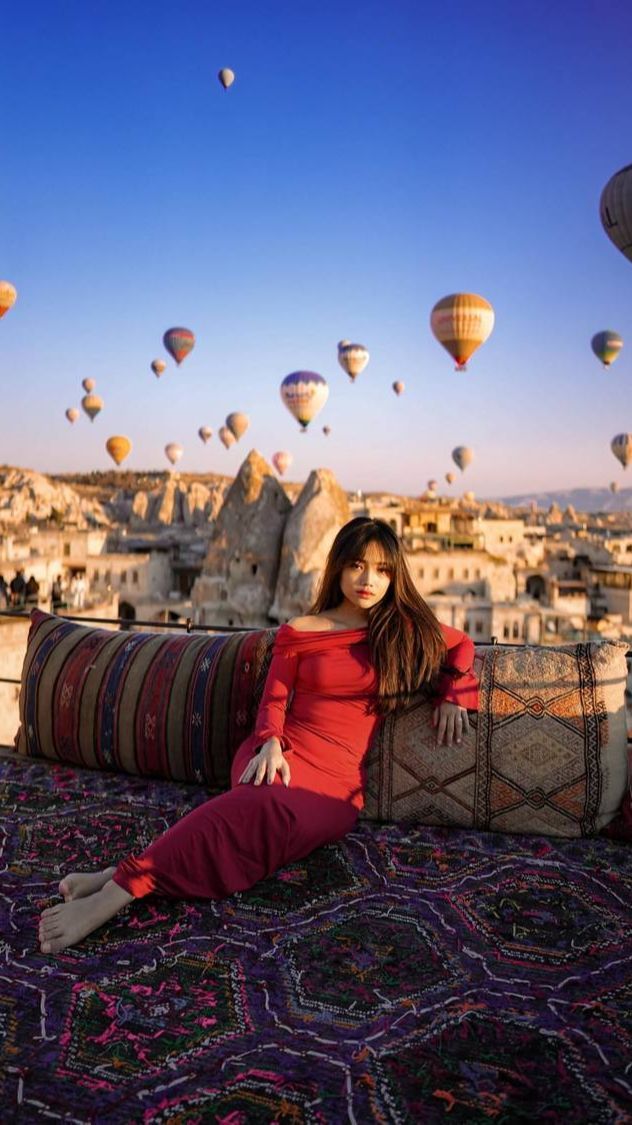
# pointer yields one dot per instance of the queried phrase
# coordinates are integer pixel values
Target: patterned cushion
(546, 754)
(175, 707)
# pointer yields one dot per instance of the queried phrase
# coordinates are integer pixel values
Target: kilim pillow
(546, 753)
(144, 703)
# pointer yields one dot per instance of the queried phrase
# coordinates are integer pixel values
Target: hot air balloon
(614, 487)
(88, 385)
(432, 485)
(304, 393)
(398, 387)
(461, 323)
(621, 446)
(92, 405)
(606, 346)
(468, 497)
(282, 461)
(450, 477)
(119, 447)
(326, 430)
(205, 433)
(353, 358)
(179, 342)
(226, 77)
(226, 436)
(615, 210)
(158, 366)
(173, 452)
(72, 414)
(237, 424)
(462, 456)
(8, 296)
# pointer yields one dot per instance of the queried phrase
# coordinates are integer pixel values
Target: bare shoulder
(309, 624)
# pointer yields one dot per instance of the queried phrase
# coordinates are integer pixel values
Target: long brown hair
(405, 638)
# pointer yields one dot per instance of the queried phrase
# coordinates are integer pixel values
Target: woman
(368, 644)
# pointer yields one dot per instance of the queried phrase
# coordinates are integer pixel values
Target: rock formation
(27, 496)
(320, 511)
(238, 580)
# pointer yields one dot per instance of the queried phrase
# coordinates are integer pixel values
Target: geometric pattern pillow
(170, 706)
(547, 751)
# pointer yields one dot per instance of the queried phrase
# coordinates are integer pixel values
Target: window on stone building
(451, 572)
(123, 577)
(435, 573)
(506, 632)
(420, 572)
(66, 550)
(95, 576)
(516, 630)
(254, 567)
(134, 578)
(223, 595)
(478, 572)
(479, 627)
(466, 573)
(108, 577)
(466, 626)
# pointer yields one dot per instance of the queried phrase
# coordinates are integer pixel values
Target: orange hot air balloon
(119, 447)
(88, 385)
(398, 386)
(226, 437)
(179, 342)
(462, 322)
(205, 433)
(8, 296)
(158, 366)
(92, 405)
(237, 424)
(282, 461)
(72, 414)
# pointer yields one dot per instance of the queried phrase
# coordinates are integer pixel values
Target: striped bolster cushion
(150, 704)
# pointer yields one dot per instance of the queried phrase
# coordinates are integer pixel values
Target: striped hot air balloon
(304, 393)
(606, 346)
(353, 358)
(621, 446)
(615, 210)
(179, 342)
(462, 322)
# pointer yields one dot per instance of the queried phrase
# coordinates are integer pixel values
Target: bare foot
(80, 884)
(69, 922)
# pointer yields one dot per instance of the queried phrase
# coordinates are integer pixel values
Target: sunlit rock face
(189, 503)
(26, 496)
(238, 580)
(320, 511)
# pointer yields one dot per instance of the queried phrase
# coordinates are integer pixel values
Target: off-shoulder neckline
(309, 632)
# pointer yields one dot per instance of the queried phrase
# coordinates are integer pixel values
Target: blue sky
(370, 158)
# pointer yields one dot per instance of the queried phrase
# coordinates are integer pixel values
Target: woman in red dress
(367, 646)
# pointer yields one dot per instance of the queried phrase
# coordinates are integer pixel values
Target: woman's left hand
(451, 722)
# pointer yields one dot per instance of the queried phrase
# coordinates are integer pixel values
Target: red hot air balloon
(179, 342)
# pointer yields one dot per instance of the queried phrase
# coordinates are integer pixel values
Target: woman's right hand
(266, 763)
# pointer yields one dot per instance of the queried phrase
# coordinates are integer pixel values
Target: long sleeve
(456, 682)
(274, 701)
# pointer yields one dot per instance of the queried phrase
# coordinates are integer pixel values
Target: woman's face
(365, 581)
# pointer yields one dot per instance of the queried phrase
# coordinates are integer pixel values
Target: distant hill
(581, 499)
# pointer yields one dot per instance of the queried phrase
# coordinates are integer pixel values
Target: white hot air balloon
(237, 423)
(72, 414)
(88, 385)
(173, 452)
(282, 461)
(353, 358)
(226, 437)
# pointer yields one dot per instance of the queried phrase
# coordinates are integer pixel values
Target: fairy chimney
(317, 516)
(238, 580)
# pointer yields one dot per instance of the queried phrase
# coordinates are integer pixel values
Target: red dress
(237, 838)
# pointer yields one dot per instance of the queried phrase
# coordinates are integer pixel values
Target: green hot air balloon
(606, 346)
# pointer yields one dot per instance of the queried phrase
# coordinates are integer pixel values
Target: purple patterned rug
(405, 975)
